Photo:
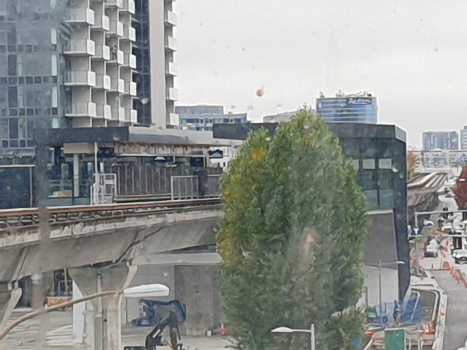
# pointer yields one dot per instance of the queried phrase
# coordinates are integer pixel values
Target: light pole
(380, 294)
(145, 290)
(289, 330)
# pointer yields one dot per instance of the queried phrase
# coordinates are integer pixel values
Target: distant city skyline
(409, 54)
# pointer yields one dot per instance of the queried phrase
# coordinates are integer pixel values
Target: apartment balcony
(130, 61)
(80, 48)
(103, 82)
(102, 22)
(134, 116)
(174, 119)
(116, 28)
(171, 69)
(81, 109)
(118, 113)
(114, 3)
(171, 43)
(80, 78)
(172, 94)
(104, 111)
(130, 88)
(129, 33)
(129, 6)
(80, 16)
(102, 52)
(117, 56)
(117, 85)
(171, 18)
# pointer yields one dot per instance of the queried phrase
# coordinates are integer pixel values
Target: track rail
(30, 217)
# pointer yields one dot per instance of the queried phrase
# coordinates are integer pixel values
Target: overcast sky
(410, 54)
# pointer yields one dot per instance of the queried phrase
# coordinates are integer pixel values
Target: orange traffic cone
(446, 265)
(222, 331)
(432, 266)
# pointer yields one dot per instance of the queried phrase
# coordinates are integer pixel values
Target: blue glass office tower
(354, 108)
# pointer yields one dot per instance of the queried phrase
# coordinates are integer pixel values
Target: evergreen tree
(292, 238)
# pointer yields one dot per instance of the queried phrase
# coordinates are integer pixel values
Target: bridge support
(9, 297)
(103, 329)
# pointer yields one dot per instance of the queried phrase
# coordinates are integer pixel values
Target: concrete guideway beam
(94, 249)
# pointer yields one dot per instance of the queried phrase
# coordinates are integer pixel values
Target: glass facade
(446, 140)
(348, 109)
(141, 50)
(29, 81)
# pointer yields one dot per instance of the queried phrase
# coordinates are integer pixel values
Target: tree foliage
(292, 238)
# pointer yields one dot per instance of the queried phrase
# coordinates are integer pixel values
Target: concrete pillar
(8, 301)
(106, 325)
(196, 287)
(37, 291)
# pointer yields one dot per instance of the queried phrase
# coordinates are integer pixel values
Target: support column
(106, 326)
(8, 301)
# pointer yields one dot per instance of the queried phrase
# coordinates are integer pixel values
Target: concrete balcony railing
(129, 6)
(134, 116)
(130, 61)
(102, 22)
(80, 78)
(104, 111)
(129, 33)
(114, 3)
(171, 43)
(102, 52)
(81, 16)
(118, 85)
(81, 109)
(80, 47)
(118, 113)
(130, 88)
(116, 27)
(171, 18)
(117, 56)
(172, 94)
(174, 119)
(171, 69)
(103, 82)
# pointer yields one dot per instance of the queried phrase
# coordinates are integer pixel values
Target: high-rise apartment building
(202, 118)
(463, 133)
(445, 140)
(353, 108)
(83, 63)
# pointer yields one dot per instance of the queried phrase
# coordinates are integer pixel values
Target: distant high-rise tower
(447, 140)
(353, 108)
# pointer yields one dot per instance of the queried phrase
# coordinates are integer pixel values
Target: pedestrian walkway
(456, 316)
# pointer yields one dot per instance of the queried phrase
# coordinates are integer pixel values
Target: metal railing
(213, 185)
(104, 190)
(184, 187)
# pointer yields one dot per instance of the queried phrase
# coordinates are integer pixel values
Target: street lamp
(142, 291)
(289, 330)
(380, 265)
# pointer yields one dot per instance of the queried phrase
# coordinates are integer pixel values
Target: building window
(386, 198)
(369, 164)
(385, 163)
(372, 198)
